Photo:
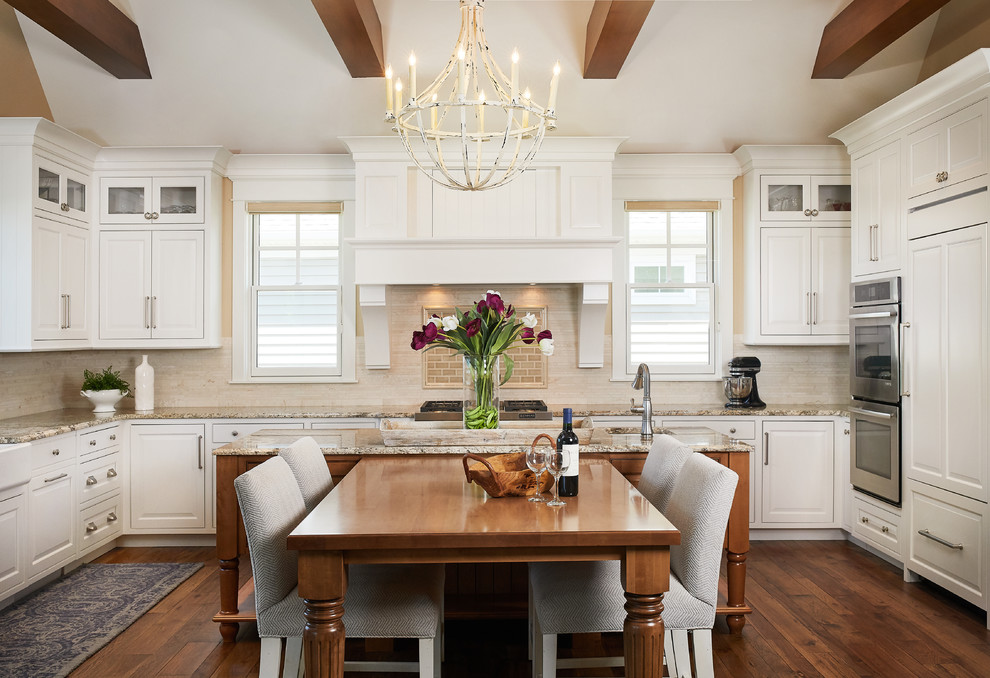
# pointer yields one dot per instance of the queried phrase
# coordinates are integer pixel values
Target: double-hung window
(295, 290)
(670, 290)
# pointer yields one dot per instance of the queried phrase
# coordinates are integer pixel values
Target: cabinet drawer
(876, 526)
(52, 451)
(98, 441)
(228, 433)
(99, 523)
(743, 429)
(98, 477)
(947, 540)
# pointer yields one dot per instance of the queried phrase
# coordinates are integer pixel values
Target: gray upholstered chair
(381, 601)
(310, 469)
(588, 597)
(663, 463)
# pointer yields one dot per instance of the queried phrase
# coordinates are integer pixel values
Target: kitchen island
(344, 448)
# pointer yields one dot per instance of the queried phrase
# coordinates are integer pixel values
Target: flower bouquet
(481, 335)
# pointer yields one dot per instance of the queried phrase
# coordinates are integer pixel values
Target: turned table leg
(323, 638)
(645, 577)
(735, 574)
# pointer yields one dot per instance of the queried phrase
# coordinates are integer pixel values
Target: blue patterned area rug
(53, 630)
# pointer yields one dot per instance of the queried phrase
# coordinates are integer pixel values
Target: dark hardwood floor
(821, 609)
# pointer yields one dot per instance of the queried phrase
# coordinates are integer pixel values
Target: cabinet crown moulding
(798, 158)
(162, 158)
(44, 133)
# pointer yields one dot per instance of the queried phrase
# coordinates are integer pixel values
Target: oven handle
(905, 391)
(878, 314)
(871, 413)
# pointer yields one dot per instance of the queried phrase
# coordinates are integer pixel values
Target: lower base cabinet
(798, 476)
(877, 526)
(167, 478)
(13, 537)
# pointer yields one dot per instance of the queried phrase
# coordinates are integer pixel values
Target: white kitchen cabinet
(152, 285)
(877, 524)
(166, 479)
(52, 506)
(789, 197)
(13, 539)
(804, 280)
(798, 473)
(877, 225)
(60, 260)
(947, 152)
(946, 361)
(61, 191)
(152, 200)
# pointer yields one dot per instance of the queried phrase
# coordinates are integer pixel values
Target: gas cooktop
(510, 410)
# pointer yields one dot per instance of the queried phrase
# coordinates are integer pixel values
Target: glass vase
(481, 391)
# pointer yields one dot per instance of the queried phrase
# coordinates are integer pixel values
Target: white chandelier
(443, 126)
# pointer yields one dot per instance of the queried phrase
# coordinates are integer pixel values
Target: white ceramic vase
(144, 386)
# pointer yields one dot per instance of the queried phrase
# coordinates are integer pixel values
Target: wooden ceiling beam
(612, 30)
(356, 30)
(863, 29)
(96, 29)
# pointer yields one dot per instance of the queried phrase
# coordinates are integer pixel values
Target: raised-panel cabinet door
(13, 538)
(48, 306)
(798, 472)
(785, 281)
(51, 518)
(125, 285)
(75, 281)
(889, 209)
(177, 285)
(865, 217)
(830, 288)
(966, 143)
(167, 483)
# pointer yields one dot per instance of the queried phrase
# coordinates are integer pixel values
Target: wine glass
(557, 464)
(536, 460)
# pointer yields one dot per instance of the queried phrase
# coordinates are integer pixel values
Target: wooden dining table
(421, 510)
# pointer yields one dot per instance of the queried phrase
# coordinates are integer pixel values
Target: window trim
(242, 297)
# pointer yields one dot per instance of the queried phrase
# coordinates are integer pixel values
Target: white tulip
(449, 323)
(436, 321)
(546, 346)
(493, 292)
(529, 320)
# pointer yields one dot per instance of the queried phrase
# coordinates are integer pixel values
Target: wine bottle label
(571, 451)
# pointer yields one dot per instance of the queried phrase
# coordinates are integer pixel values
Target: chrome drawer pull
(943, 542)
(111, 517)
(111, 473)
(58, 477)
(91, 480)
(885, 529)
(91, 528)
(92, 442)
(864, 519)
(113, 436)
(55, 451)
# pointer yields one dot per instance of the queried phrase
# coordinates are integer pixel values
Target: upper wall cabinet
(152, 201)
(797, 201)
(878, 232)
(947, 152)
(61, 191)
(158, 247)
(805, 198)
(45, 210)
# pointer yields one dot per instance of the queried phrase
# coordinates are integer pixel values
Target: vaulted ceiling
(672, 75)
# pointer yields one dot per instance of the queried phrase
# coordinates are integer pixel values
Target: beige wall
(22, 95)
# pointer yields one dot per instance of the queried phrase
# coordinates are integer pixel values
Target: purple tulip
(545, 334)
(473, 327)
(482, 306)
(510, 311)
(495, 303)
(429, 332)
(527, 336)
(418, 341)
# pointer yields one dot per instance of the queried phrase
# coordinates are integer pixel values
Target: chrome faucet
(643, 382)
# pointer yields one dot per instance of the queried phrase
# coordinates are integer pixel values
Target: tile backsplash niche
(37, 382)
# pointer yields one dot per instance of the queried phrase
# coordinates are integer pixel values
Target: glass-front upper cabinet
(61, 191)
(805, 198)
(152, 200)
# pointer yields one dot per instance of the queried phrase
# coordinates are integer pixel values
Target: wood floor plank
(821, 609)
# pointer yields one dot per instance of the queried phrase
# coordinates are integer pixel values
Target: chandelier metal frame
(445, 122)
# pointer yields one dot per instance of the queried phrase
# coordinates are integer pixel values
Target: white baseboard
(830, 534)
(151, 540)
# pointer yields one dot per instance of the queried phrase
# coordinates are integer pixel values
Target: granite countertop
(32, 427)
(369, 441)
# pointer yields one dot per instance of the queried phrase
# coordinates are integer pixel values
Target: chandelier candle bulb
(515, 75)
(388, 89)
(412, 75)
(552, 104)
(525, 119)
(398, 97)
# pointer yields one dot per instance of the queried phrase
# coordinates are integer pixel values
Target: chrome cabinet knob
(732, 430)
(113, 436)
(885, 529)
(55, 452)
(92, 442)
(64, 207)
(814, 213)
(865, 520)
(234, 433)
(147, 215)
(807, 213)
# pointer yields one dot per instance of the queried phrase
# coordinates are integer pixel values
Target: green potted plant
(104, 389)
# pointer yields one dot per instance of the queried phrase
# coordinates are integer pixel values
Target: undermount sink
(633, 430)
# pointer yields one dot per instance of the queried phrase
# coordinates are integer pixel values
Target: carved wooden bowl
(506, 475)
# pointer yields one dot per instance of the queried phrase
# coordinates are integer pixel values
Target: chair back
(663, 462)
(699, 508)
(310, 469)
(271, 506)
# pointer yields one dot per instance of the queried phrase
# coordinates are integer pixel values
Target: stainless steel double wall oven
(875, 385)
